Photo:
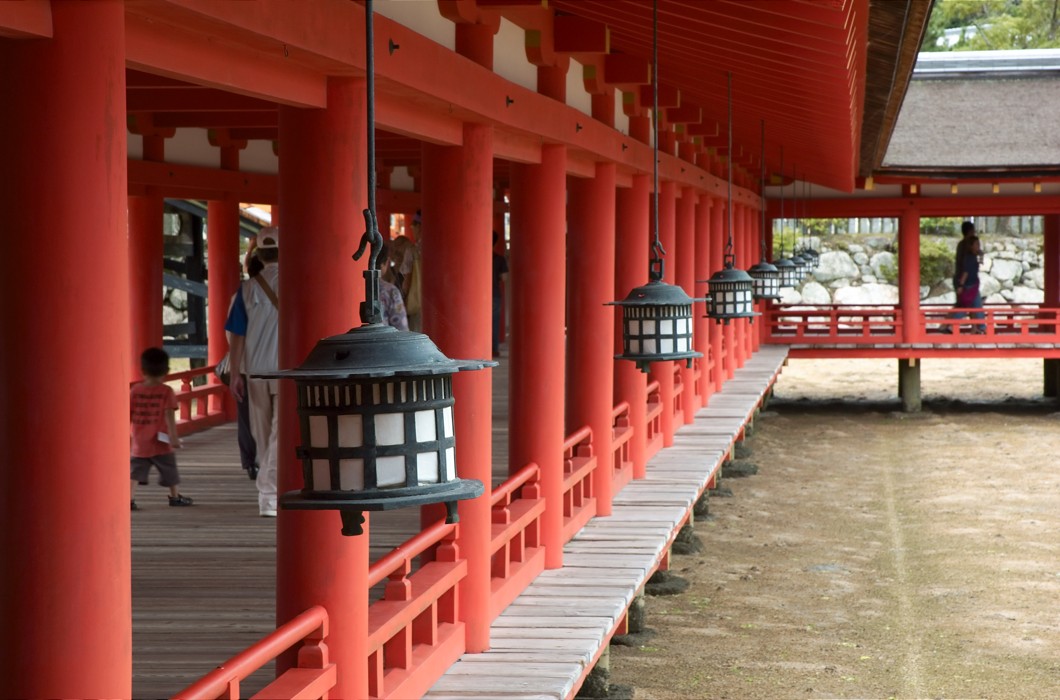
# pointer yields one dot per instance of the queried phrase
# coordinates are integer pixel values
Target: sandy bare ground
(875, 554)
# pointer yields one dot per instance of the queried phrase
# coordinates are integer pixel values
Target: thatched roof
(979, 112)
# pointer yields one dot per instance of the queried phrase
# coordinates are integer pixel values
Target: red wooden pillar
(663, 372)
(703, 324)
(1051, 270)
(65, 598)
(222, 244)
(746, 260)
(322, 193)
(739, 326)
(720, 334)
(590, 324)
(754, 256)
(146, 246)
(458, 308)
(909, 273)
(631, 271)
(539, 226)
(1051, 266)
(685, 261)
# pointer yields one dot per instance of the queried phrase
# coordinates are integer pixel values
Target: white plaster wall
(192, 147)
(257, 157)
(577, 97)
(400, 180)
(621, 120)
(420, 16)
(135, 144)
(509, 56)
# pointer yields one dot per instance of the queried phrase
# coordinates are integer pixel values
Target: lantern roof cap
(374, 351)
(655, 293)
(730, 275)
(762, 266)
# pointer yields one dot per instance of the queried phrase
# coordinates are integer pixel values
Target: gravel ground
(875, 554)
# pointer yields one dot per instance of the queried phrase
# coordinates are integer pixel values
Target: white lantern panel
(447, 422)
(321, 475)
(647, 347)
(318, 431)
(390, 429)
(427, 467)
(648, 327)
(426, 431)
(351, 431)
(634, 327)
(682, 326)
(666, 326)
(684, 344)
(351, 474)
(390, 471)
(450, 464)
(667, 346)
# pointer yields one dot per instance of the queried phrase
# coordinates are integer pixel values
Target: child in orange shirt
(153, 428)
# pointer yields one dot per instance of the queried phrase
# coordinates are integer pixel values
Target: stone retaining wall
(1011, 272)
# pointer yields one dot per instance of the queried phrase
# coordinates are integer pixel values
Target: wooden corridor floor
(203, 577)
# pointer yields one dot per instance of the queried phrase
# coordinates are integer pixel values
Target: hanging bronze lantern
(656, 317)
(375, 404)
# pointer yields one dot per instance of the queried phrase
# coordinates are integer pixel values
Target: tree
(991, 25)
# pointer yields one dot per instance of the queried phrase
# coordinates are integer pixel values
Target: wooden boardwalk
(203, 578)
(545, 643)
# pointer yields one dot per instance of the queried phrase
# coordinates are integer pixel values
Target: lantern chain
(371, 308)
(656, 265)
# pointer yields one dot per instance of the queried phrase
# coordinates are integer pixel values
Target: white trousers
(263, 426)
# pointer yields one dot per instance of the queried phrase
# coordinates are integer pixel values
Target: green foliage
(936, 263)
(889, 271)
(941, 226)
(998, 24)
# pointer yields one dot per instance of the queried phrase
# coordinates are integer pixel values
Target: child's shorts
(167, 469)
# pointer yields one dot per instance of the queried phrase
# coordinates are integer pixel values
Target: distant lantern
(656, 325)
(731, 294)
(766, 280)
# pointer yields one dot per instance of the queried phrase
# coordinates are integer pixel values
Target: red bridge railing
(415, 632)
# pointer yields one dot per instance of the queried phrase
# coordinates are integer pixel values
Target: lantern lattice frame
(657, 325)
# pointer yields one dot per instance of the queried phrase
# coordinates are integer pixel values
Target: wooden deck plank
(204, 577)
(621, 549)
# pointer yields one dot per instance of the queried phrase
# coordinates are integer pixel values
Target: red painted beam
(156, 47)
(192, 100)
(684, 114)
(193, 182)
(669, 96)
(573, 34)
(990, 205)
(215, 120)
(624, 69)
(29, 19)
(260, 133)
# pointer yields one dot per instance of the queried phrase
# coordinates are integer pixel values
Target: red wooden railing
(414, 631)
(579, 461)
(1000, 324)
(622, 460)
(653, 435)
(834, 323)
(516, 552)
(313, 676)
(938, 325)
(679, 390)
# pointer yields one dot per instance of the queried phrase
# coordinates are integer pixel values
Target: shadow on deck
(204, 577)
